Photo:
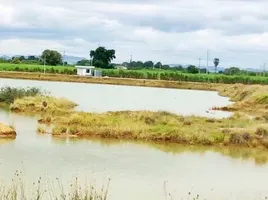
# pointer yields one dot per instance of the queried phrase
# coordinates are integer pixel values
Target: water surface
(137, 170)
(102, 98)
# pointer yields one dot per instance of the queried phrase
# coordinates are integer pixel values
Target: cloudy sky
(171, 31)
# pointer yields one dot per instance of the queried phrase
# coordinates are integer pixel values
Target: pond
(137, 170)
(102, 98)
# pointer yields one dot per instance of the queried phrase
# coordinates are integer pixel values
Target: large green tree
(51, 57)
(158, 65)
(192, 69)
(148, 64)
(102, 57)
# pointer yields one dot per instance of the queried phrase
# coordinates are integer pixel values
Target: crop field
(169, 75)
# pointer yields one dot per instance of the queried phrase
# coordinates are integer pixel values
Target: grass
(7, 131)
(42, 104)
(37, 68)
(39, 190)
(241, 129)
(157, 126)
(171, 75)
(165, 75)
(162, 126)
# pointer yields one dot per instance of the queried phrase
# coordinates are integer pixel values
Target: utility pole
(44, 63)
(199, 64)
(130, 61)
(63, 57)
(207, 59)
(264, 69)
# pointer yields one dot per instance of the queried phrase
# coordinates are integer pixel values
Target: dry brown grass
(250, 107)
(42, 104)
(7, 131)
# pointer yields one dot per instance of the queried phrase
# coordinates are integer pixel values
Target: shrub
(236, 138)
(9, 94)
(261, 132)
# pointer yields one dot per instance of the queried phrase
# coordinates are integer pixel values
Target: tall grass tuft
(41, 190)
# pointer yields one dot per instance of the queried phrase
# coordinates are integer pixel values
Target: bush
(236, 138)
(261, 132)
(9, 94)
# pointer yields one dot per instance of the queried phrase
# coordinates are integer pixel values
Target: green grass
(37, 68)
(168, 75)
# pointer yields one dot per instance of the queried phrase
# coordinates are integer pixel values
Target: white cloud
(170, 31)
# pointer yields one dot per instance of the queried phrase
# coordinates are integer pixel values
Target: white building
(85, 70)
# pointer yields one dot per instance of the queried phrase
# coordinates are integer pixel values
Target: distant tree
(158, 65)
(232, 70)
(102, 57)
(203, 70)
(136, 65)
(139, 64)
(16, 60)
(216, 63)
(180, 68)
(22, 58)
(32, 58)
(192, 69)
(165, 67)
(84, 62)
(148, 64)
(51, 57)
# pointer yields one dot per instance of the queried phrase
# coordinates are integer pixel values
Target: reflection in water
(6, 141)
(259, 155)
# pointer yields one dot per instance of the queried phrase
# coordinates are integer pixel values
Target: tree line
(102, 58)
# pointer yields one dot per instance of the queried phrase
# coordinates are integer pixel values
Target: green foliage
(192, 69)
(158, 65)
(51, 57)
(9, 94)
(102, 57)
(37, 68)
(171, 75)
(148, 64)
(84, 62)
(16, 60)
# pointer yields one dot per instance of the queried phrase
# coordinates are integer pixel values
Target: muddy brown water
(137, 170)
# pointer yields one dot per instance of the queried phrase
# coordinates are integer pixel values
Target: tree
(192, 69)
(22, 58)
(232, 70)
(16, 60)
(216, 63)
(51, 57)
(158, 65)
(148, 64)
(84, 62)
(165, 67)
(32, 58)
(102, 57)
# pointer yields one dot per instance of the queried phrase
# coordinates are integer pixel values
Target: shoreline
(110, 81)
(247, 127)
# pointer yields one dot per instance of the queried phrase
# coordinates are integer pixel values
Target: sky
(170, 31)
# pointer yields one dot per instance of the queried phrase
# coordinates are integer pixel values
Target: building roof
(85, 67)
